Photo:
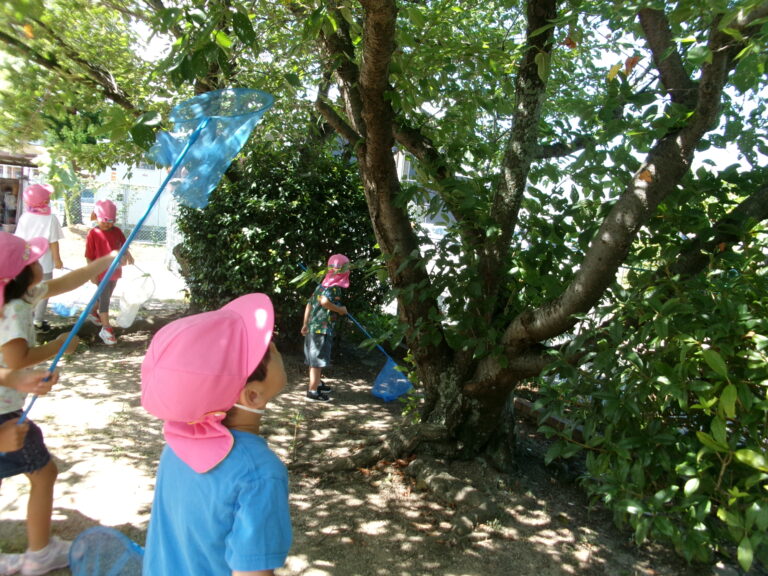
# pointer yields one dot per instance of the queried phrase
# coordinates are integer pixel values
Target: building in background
(17, 170)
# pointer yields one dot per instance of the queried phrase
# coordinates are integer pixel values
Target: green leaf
(715, 361)
(542, 65)
(753, 459)
(691, 486)
(553, 452)
(243, 28)
(745, 554)
(222, 39)
(728, 400)
(709, 442)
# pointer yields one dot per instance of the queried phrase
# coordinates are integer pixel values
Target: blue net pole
(116, 262)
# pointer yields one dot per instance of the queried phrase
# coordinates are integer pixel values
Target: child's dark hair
(261, 370)
(17, 287)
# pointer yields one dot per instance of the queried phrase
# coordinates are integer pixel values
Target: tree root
(398, 444)
(472, 506)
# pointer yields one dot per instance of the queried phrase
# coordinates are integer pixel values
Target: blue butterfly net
(220, 123)
(103, 551)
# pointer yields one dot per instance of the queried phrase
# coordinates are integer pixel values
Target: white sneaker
(53, 556)
(107, 336)
(10, 563)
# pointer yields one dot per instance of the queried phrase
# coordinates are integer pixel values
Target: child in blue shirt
(221, 497)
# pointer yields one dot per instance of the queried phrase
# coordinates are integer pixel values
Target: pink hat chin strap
(203, 443)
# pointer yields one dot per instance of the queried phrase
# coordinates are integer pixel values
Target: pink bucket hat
(15, 255)
(338, 271)
(105, 210)
(194, 371)
(37, 198)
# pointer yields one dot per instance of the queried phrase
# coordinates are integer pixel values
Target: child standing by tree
(221, 496)
(37, 221)
(320, 316)
(101, 240)
(21, 287)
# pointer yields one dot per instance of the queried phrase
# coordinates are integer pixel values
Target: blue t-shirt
(234, 517)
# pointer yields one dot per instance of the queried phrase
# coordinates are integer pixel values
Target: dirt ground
(367, 522)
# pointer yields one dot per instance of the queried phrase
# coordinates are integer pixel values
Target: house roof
(18, 158)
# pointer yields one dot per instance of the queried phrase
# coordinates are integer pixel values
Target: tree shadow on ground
(369, 521)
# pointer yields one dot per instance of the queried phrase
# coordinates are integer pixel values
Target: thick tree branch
(530, 90)
(666, 57)
(92, 75)
(337, 122)
(666, 164)
(561, 149)
(422, 149)
(340, 57)
(696, 255)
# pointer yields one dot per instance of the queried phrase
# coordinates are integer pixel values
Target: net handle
(116, 262)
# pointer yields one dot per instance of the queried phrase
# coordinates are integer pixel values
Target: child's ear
(250, 395)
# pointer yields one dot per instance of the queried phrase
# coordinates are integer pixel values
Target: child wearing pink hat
(221, 496)
(21, 288)
(101, 240)
(320, 316)
(37, 221)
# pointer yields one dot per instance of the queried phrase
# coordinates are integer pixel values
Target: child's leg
(40, 506)
(104, 300)
(315, 375)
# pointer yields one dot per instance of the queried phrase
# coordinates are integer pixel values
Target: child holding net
(21, 288)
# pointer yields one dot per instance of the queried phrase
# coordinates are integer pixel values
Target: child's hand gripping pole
(116, 262)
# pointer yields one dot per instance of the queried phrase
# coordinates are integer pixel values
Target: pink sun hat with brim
(338, 271)
(105, 210)
(194, 371)
(37, 198)
(15, 255)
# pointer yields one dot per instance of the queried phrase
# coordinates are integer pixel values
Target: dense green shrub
(673, 405)
(286, 210)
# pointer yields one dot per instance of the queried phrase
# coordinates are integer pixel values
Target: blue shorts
(32, 456)
(317, 350)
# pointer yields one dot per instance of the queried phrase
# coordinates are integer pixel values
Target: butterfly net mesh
(228, 117)
(101, 551)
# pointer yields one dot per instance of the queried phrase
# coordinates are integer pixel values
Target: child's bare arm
(56, 253)
(17, 353)
(305, 326)
(254, 573)
(328, 305)
(38, 382)
(80, 276)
